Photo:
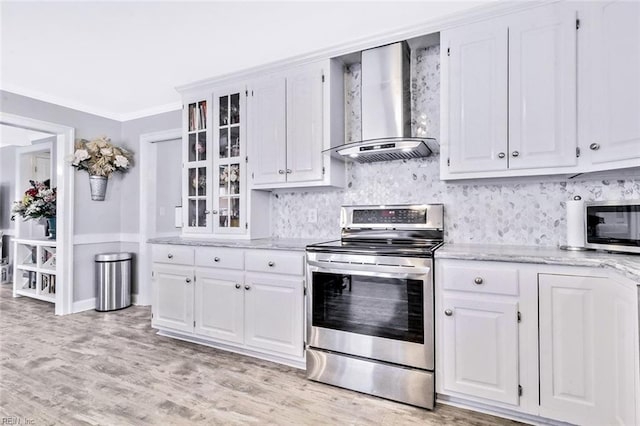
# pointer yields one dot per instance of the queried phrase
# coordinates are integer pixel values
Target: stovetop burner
(378, 249)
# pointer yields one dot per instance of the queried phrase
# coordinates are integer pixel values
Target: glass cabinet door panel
(193, 205)
(234, 179)
(234, 213)
(192, 117)
(235, 141)
(201, 146)
(224, 110)
(224, 143)
(202, 213)
(202, 115)
(202, 181)
(224, 180)
(192, 183)
(235, 108)
(223, 212)
(192, 147)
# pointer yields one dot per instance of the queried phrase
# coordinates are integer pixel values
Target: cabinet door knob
(170, 256)
(515, 153)
(280, 172)
(271, 263)
(594, 146)
(448, 312)
(501, 155)
(207, 212)
(188, 280)
(238, 286)
(216, 259)
(478, 280)
(246, 287)
(214, 211)
(289, 171)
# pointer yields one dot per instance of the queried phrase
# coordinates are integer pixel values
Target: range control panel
(389, 216)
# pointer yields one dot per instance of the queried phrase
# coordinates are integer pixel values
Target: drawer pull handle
(271, 263)
(280, 172)
(216, 259)
(170, 256)
(478, 280)
(238, 285)
(594, 146)
(501, 155)
(188, 280)
(246, 287)
(515, 153)
(448, 312)
(289, 171)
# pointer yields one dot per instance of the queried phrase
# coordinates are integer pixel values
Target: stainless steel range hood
(386, 109)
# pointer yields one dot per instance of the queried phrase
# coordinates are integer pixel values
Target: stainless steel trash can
(113, 281)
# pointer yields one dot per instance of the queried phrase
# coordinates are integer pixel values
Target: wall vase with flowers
(38, 202)
(100, 158)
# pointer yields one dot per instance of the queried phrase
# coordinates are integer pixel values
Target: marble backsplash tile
(528, 211)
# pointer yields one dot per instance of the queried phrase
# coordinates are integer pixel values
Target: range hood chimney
(386, 109)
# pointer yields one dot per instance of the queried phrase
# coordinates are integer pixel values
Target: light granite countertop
(625, 264)
(260, 243)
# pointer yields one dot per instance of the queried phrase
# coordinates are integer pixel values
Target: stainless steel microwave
(613, 225)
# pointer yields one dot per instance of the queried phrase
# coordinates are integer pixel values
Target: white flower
(80, 155)
(121, 161)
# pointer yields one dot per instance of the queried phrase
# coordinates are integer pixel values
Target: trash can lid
(112, 257)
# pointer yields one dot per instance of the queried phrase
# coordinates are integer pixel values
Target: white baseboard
(83, 305)
(139, 301)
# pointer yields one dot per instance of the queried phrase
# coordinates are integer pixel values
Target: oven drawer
(218, 257)
(480, 278)
(275, 262)
(173, 254)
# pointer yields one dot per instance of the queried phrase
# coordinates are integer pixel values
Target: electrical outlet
(312, 215)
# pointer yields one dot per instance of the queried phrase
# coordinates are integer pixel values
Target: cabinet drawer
(219, 257)
(175, 255)
(481, 279)
(276, 262)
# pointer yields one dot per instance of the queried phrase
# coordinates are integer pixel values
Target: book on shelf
(202, 115)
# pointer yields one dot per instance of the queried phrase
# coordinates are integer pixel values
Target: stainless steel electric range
(370, 320)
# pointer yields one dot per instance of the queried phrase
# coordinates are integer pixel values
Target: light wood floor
(112, 369)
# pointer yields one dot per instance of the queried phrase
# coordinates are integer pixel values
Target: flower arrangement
(100, 158)
(39, 201)
(230, 174)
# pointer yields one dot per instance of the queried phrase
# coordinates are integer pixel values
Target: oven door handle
(374, 270)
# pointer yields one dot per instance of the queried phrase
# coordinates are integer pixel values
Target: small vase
(98, 187)
(51, 221)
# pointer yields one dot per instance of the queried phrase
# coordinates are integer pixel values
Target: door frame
(148, 166)
(65, 181)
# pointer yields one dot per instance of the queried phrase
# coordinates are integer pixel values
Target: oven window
(619, 225)
(374, 306)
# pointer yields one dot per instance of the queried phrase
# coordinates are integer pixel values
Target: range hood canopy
(386, 110)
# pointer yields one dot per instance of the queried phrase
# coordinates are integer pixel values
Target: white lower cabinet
(219, 305)
(259, 312)
(173, 297)
(566, 337)
(481, 348)
(274, 313)
(586, 350)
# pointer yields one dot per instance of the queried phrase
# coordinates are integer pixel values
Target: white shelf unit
(35, 269)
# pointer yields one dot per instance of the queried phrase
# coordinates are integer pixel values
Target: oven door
(375, 307)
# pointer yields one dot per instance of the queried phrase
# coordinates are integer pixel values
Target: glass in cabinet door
(229, 196)
(197, 197)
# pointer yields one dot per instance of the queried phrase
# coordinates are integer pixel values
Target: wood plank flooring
(112, 369)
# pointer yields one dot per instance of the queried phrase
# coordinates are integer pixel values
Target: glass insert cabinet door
(229, 133)
(197, 163)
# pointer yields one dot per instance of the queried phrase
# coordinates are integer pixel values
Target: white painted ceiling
(122, 60)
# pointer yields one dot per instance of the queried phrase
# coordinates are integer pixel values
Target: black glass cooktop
(391, 248)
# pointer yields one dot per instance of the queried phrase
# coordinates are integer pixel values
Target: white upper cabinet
(610, 64)
(268, 115)
(542, 88)
(509, 95)
(305, 132)
(295, 115)
(475, 101)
